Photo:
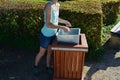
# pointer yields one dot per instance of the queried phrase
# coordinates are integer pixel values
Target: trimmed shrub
(110, 10)
(27, 19)
(88, 17)
(21, 19)
(20, 24)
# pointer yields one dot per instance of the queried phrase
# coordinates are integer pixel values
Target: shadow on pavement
(109, 60)
(16, 64)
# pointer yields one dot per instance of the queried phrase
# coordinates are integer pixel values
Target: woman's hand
(65, 28)
(67, 23)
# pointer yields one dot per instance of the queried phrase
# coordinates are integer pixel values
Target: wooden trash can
(69, 60)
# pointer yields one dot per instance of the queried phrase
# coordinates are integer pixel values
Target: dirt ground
(107, 69)
(16, 64)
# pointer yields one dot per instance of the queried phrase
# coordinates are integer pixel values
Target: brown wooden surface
(62, 63)
(57, 65)
(68, 65)
(66, 79)
(83, 43)
(55, 62)
(75, 64)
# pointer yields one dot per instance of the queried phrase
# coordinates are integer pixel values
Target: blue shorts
(45, 41)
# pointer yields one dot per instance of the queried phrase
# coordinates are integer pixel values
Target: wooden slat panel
(58, 63)
(79, 65)
(70, 64)
(64, 79)
(75, 64)
(55, 63)
(81, 55)
(69, 61)
(62, 64)
(82, 64)
(59, 57)
(66, 64)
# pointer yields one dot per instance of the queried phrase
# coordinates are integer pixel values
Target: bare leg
(48, 68)
(49, 53)
(39, 55)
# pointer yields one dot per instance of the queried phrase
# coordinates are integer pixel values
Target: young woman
(48, 32)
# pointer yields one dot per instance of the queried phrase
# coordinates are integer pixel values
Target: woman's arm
(67, 23)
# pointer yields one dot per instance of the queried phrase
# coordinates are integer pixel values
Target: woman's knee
(42, 51)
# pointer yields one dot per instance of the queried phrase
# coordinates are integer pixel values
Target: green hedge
(88, 17)
(27, 19)
(85, 15)
(21, 19)
(20, 24)
(110, 10)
